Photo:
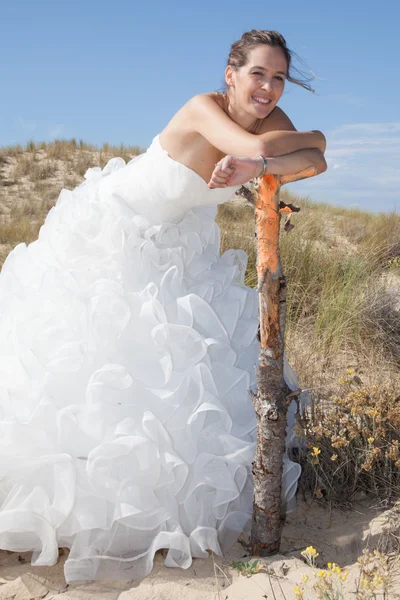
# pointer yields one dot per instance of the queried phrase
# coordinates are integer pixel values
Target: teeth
(262, 100)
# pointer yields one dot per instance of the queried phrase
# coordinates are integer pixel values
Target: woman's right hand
(234, 170)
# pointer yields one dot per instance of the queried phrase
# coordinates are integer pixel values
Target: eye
(257, 73)
(280, 78)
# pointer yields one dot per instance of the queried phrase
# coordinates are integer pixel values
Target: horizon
(126, 148)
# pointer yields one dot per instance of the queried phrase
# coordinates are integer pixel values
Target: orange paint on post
(267, 218)
(267, 222)
(269, 268)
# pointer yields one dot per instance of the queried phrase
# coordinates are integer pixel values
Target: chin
(261, 112)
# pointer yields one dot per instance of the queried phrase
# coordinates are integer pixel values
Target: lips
(261, 100)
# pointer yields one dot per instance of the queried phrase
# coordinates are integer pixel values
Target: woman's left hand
(234, 170)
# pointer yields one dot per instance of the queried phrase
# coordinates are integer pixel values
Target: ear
(229, 76)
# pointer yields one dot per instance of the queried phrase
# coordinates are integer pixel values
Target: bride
(128, 343)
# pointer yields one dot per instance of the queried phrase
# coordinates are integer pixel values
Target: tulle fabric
(127, 349)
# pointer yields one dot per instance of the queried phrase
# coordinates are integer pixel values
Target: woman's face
(257, 86)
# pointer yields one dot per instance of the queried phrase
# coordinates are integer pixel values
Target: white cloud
(363, 162)
(368, 128)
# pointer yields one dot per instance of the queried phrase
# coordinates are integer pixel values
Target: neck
(243, 119)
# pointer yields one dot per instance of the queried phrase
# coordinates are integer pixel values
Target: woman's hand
(234, 170)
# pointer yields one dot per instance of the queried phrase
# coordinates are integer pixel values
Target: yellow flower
(330, 565)
(370, 440)
(336, 569)
(315, 451)
(350, 371)
(298, 591)
(321, 573)
(311, 551)
(305, 578)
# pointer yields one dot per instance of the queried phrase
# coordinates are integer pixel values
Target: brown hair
(240, 50)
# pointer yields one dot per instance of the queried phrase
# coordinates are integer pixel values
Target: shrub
(353, 443)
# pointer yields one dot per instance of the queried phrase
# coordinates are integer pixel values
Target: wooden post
(273, 396)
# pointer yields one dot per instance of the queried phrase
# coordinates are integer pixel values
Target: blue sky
(117, 71)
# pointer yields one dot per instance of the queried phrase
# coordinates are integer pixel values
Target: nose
(267, 85)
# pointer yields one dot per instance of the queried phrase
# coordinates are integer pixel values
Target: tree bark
(273, 395)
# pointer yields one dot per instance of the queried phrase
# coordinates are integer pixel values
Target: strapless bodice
(159, 187)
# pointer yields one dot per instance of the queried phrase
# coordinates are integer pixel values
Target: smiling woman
(245, 121)
(128, 344)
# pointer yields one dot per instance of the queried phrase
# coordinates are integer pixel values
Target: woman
(128, 343)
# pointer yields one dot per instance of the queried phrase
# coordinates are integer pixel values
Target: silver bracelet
(265, 166)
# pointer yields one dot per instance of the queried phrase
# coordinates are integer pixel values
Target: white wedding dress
(128, 346)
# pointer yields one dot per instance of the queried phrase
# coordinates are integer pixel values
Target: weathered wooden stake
(273, 396)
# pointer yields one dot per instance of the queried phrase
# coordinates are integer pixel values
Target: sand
(339, 536)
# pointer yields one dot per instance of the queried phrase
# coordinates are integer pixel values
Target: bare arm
(208, 118)
(278, 121)
(295, 162)
(291, 166)
(236, 170)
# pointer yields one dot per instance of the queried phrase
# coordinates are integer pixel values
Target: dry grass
(11, 151)
(340, 311)
(85, 162)
(13, 232)
(343, 315)
(33, 169)
(42, 161)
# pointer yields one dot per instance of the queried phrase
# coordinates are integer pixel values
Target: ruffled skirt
(127, 352)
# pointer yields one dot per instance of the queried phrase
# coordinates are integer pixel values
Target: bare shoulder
(182, 121)
(204, 123)
(186, 143)
(217, 97)
(206, 98)
(202, 131)
(182, 138)
(277, 121)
